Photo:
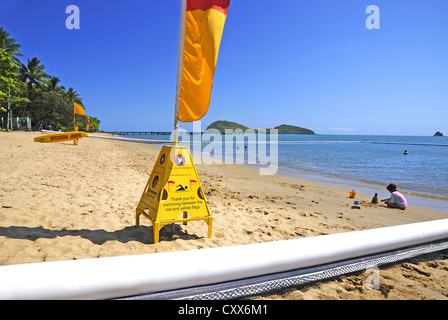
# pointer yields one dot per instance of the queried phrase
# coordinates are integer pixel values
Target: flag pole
(75, 128)
(180, 56)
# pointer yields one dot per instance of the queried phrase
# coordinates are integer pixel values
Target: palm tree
(32, 73)
(73, 96)
(9, 44)
(52, 86)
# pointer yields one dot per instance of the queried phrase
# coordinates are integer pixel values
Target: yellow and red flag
(204, 25)
(79, 109)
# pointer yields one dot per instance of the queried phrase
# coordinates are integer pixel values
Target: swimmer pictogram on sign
(173, 193)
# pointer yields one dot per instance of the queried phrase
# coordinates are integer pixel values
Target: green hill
(288, 129)
(221, 126)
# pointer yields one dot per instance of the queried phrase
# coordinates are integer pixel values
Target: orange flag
(204, 25)
(79, 109)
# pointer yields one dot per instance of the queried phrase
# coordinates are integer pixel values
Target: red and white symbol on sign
(180, 160)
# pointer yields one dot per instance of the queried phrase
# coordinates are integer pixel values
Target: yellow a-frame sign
(173, 192)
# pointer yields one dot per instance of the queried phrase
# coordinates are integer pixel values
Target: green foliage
(81, 121)
(50, 111)
(282, 129)
(9, 80)
(36, 94)
(8, 44)
(288, 129)
(221, 126)
(33, 74)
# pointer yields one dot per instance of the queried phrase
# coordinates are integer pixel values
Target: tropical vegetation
(30, 92)
(221, 126)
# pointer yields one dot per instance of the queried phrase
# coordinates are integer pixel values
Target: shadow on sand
(142, 234)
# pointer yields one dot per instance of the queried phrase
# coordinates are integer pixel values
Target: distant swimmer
(405, 152)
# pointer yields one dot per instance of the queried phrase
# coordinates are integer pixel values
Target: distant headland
(221, 126)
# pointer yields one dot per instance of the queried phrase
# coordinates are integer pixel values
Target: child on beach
(396, 200)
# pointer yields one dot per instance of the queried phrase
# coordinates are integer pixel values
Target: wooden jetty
(164, 133)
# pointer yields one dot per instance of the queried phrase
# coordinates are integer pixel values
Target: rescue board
(61, 136)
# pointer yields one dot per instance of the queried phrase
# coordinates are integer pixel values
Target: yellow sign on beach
(62, 136)
(173, 192)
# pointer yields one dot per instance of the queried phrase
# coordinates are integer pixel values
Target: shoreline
(428, 201)
(61, 202)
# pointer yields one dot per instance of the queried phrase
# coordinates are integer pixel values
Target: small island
(288, 129)
(221, 126)
(438, 134)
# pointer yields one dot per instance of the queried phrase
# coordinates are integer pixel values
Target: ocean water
(364, 163)
(373, 162)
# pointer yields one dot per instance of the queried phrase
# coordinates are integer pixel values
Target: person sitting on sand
(396, 200)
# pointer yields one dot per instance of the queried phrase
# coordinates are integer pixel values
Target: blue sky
(307, 63)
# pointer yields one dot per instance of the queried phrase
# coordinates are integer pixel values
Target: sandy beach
(59, 201)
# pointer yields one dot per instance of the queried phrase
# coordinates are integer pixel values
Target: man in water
(396, 200)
